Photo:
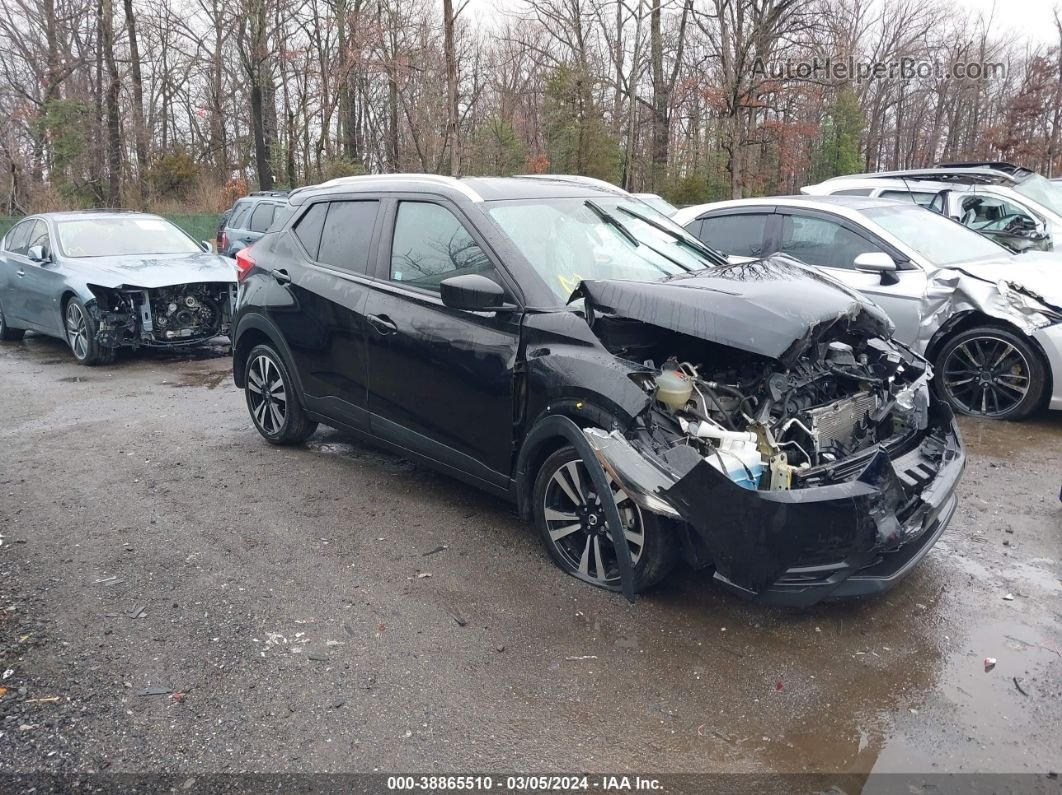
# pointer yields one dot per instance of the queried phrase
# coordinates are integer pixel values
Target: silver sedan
(990, 321)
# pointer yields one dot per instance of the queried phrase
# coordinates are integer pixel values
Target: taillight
(223, 242)
(244, 263)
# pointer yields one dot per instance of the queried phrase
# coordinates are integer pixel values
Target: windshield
(124, 236)
(568, 240)
(940, 240)
(659, 204)
(1042, 191)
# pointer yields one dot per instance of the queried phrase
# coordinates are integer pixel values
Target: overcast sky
(1031, 20)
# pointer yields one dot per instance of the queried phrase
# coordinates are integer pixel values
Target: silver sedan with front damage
(103, 280)
(989, 320)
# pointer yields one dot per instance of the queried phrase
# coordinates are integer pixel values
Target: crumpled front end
(162, 317)
(809, 462)
(856, 534)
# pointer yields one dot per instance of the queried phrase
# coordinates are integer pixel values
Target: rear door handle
(21, 273)
(382, 323)
(281, 276)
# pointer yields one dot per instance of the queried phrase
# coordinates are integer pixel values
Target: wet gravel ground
(176, 595)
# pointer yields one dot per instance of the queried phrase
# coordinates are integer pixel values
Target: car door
(832, 244)
(42, 283)
(13, 272)
(440, 379)
(323, 264)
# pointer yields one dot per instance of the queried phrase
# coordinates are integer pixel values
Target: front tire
(571, 523)
(81, 332)
(272, 400)
(8, 334)
(990, 372)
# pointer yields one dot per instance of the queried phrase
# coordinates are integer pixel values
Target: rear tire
(569, 519)
(81, 331)
(8, 334)
(990, 372)
(272, 399)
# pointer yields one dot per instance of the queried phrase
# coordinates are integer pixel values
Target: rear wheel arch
(255, 330)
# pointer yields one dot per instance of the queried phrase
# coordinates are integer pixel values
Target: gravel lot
(178, 596)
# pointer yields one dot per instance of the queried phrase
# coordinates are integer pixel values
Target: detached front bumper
(854, 537)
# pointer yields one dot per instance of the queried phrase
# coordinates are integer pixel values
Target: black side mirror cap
(473, 292)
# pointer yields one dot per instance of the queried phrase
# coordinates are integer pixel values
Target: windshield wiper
(689, 243)
(612, 221)
(616, 224)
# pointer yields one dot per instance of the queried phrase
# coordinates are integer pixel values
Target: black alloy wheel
(991, 372)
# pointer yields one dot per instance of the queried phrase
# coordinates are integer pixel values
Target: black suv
(247, 220)
(561, 344)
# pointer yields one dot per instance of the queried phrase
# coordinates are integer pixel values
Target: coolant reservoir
(673, 389)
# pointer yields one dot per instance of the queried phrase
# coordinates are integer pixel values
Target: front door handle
(383, 324)
(21, 273)
(282, 276)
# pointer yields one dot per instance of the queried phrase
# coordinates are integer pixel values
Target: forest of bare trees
(181, 103)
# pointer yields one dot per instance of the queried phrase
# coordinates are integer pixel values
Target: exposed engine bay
(767, 425)
(177, 315)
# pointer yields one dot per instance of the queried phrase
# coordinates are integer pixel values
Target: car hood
(154, 271)
(775, 307)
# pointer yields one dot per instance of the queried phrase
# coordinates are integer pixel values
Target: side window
(262, 217)
(38, 235)
(818, 241)
(430, 244)
(852, 192)
(991, 214)
(921, 199)
(17, 240)
(239, 215)
(308, 229)
(738, 235)
(347, 234)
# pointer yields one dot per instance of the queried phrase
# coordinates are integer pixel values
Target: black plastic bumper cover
(800, 546)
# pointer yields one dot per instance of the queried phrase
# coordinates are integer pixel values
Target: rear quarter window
(239, 215)
(308, 228)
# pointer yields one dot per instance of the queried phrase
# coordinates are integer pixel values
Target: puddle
(209, 379)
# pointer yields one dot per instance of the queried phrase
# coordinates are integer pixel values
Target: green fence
(201, 226)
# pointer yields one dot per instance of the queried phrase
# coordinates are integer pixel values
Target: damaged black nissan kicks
(559, 343)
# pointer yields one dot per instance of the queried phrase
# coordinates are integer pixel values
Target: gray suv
(249, 219)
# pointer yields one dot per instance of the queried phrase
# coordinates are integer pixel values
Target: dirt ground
(178, 596)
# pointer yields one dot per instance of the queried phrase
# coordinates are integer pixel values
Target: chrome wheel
(986, 376)
(576, 526)
(77, 330)
(267, 395)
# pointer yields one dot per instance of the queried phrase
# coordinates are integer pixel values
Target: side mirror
(472, 292)
(206, 246)
(39, 254)
(875, 262)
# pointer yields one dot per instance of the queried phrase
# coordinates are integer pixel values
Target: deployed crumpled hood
(774, 307)
(158, 270)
